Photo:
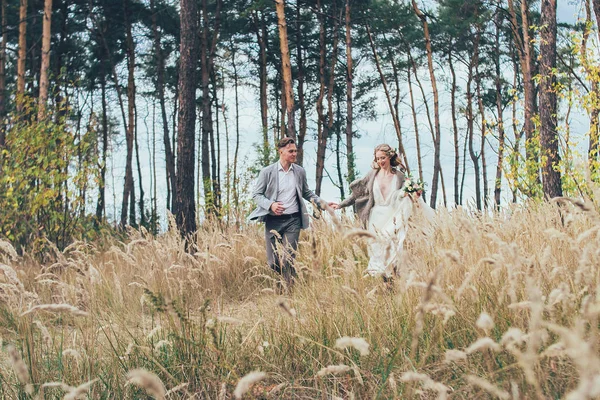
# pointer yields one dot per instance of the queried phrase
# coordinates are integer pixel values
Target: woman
(383, 208)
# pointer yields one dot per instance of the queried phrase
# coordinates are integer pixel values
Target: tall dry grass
(494, 306)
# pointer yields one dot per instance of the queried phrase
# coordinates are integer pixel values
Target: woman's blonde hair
(391, 153)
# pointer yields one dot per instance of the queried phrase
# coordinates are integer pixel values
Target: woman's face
(382, 159)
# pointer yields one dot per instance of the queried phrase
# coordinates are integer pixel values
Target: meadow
(503, 305)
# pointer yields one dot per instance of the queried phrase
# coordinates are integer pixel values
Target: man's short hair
(285, 141)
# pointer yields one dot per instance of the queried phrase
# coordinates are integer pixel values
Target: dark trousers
(281, 236)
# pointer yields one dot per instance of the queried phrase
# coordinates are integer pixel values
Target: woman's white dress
(388, 220)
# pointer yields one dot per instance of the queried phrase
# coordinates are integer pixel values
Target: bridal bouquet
(413, 185)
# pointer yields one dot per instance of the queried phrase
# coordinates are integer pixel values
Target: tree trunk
(22, 55)
(388, 98)
(517, 133)
(454, 128)
(3, 75)
(237, 133)
(186, 207)
(160, 93)
(415, 121)
(207, 59)
(593, 108)
(327, 128)
(499, 111)
(215, 151)
(321, 138)
(46, 29)
(286, 69)
(470, 124)
(101, 204)
(483, 131)
(349, 99)
(128, 190)
(261, 38)
(524, 46)
(436, 107)
(338, 149)
(301, 102)
(548, 121)
(139, 168)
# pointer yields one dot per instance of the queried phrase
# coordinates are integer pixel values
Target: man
(279, 191)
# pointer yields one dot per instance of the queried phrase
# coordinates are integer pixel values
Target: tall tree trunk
(139, 168)
(46, 29)
(237, 132)
(207, 54)
(3, 75)
(338, 152)
(286, 69)
(160, 93)
(262, 38)
(301, 102)
(593, 107)
(128, 190)
(206, 120)
(101, 204)
(499, 111)
(215, 151)
(523, 42)
(436, 107)
(548, 120)
(483, 131)
(327, 128)
(415, 121)
(517, 133)
(22, 55)
(395, 118)
(396, 104)
(349, 89)
(321, 131)
(454, 127)
(186, 145)
(470, 124)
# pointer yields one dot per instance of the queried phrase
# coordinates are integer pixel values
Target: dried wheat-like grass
(18, 364)
(485, 322)
(483, 344)
(246, 382)
(57, 308)
(333, 370)
(8, 249)
(358, 343)
(11, 274)
(147, 381)
(359, 233)
(229, 320)
(177, 388)
(455, 356)
(488, 387)
(79, 391)
(282, 303)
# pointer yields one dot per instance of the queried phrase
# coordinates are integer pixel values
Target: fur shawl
(362, 194)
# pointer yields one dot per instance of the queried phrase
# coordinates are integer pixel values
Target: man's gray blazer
(267, 187)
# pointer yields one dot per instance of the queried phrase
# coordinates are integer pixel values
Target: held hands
(333, 205)
(277, 208)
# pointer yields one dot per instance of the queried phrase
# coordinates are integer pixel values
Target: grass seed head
(246, 382)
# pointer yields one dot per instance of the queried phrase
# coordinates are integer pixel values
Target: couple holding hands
(383, 201)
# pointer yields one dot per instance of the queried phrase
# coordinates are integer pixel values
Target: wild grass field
(492, 306)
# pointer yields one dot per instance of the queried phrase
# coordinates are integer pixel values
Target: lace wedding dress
(388, 220)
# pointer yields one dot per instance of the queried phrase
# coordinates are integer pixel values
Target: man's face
(288, 153)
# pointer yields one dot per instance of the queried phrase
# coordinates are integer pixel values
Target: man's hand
(333, 205)
(277, 208)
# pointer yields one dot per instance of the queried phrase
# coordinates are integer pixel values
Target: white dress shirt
(287, 190)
